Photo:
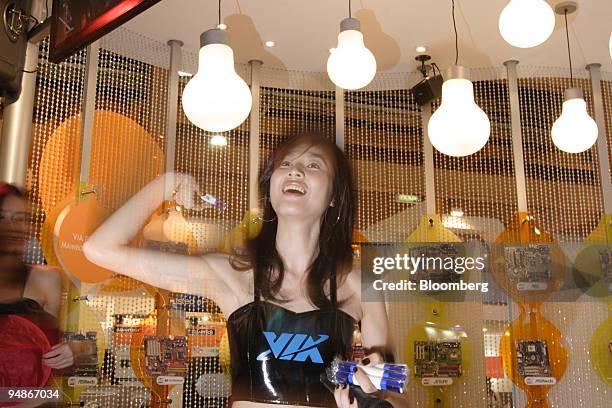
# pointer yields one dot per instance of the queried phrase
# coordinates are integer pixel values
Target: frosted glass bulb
(526, 23)
(216, 99)
(458, 127)
(574, 131)
(351, 65)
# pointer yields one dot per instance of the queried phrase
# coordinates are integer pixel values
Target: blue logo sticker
(293, 347)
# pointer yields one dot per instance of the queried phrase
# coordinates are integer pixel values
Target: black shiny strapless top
(278, 355)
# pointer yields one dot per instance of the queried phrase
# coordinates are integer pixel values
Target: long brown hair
(334, 259)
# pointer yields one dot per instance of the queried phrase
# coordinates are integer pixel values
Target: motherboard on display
(606, 265)
(86, 359)
(437, 358)
(532, 358)
(165, 355)
(528, 263)
(433, 268)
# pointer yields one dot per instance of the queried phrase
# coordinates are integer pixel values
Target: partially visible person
(26, 291)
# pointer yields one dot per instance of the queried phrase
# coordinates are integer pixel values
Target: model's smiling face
(302, 183)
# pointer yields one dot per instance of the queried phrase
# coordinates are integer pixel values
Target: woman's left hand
(59, 357)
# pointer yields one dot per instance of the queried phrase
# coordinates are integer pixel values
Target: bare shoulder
(239, 282)
(44, 286)
(41, 276)
(353, 280)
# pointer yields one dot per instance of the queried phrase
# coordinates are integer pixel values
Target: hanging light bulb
(351, 65)
(574, 131)
(458, 127)
(526, 23)
(216, 99)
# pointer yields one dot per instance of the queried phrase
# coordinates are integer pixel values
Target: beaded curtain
(285, 108)
(482, 187)
(606, 89)
(383, 140)
(127, 153)
(383, 135)
(59, 91)
(564, 194)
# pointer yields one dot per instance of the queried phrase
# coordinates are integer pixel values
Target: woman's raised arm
(209, 275)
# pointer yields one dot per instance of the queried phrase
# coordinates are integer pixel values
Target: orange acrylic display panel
(46, 241)
(530, 324)
(523, 230)
(73, 227)
(124, 158)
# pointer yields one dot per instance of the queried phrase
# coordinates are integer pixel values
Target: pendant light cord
(219, 13)
(569, 51)
(456, 36)
(350, 14)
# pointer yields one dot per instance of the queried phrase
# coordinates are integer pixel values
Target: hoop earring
(337, 218)
(259, 217)
(339, 212)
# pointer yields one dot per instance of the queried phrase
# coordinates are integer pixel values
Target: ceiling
(305, 30)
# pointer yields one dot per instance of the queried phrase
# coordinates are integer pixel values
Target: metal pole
(602, 146)
(340, 118)
(428, 161)
(176, 61)
(18, 112)
(517, 137)
(88, 108)
(254, 136)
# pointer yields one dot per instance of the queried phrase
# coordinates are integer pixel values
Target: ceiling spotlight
(184, 74)
(526, 23)
(457, 212)
(484, 329)
(270, 44)
(421, 49)
(221, 26)
(218, 140)
(351, 65)
(574, 131)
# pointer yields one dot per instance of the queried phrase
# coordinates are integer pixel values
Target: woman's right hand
(185, 189)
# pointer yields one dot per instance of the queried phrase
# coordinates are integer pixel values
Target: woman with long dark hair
(291, 295)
